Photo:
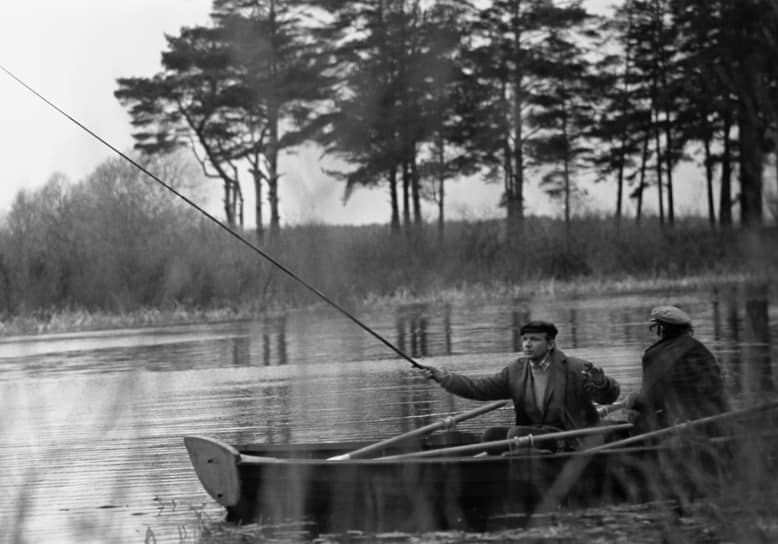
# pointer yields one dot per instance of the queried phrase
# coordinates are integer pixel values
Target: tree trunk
(415, 190)
(642, 184)
(239, 204)
(395, 221)
(725, 191)
(657, 45)
(660, 192)
(273, 116)
(753, 107)
(624, 134)
(441, 188)
(751, 164)
(516, 203)
(665, 101)
(709, 179)
(258, 205)
(229, 216)
(669, 171)
(406, 197)
(620, 184)
(566, 166)
(272, 189)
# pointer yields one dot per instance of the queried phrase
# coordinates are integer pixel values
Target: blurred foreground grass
(711, 521)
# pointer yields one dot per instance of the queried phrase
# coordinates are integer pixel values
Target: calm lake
(93, 422)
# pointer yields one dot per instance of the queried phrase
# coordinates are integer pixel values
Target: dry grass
(70, 320)
(188, 269)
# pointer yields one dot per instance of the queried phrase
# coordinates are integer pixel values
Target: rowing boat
(426, 484)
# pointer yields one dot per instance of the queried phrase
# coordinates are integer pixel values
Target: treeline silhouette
(406, 95)
(117, 243)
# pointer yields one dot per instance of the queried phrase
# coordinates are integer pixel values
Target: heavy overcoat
(681, 381)
(566, 405)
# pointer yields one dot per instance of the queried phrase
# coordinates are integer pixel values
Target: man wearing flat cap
(681, 377)
(547, 387)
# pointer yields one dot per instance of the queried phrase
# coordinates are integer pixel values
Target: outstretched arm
(489, 388)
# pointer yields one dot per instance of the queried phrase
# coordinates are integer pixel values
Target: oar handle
(516, 441)
(605, 409)
(685, 425)
(447, 422)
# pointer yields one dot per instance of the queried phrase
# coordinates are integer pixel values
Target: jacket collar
(542, 365)
(557, 380)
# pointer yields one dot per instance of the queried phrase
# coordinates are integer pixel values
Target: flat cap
(540, 326)
(670, 315)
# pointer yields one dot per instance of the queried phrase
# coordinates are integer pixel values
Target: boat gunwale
(251, 459)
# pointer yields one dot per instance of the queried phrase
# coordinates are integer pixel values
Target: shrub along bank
(179, 266)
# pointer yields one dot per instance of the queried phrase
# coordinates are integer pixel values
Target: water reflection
(518, 319)
(756, 340)
(742, 337)
(411, 325)
(417, 406)
(414, 323)
(716, 310)
(275, 414)
(274, 341)
(573, 328)
(241, 351)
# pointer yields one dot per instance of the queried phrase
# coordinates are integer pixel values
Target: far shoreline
(57, 321)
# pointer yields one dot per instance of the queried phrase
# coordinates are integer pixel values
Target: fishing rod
(213, 219)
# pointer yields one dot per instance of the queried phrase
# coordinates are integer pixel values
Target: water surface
(93, 422)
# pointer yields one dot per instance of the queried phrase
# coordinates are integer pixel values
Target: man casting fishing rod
(547, 387)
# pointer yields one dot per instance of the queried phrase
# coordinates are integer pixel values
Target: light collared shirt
(543, 365)
(539, 374)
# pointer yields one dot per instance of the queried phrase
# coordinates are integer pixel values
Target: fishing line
(224, 227)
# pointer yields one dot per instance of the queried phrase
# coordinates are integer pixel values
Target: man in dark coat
(547, 387)
(681, 377)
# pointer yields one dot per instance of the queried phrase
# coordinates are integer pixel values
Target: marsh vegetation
(113, 250)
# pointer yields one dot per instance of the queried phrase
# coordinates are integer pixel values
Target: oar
(448, 422)
(528, 440)
(684, 426)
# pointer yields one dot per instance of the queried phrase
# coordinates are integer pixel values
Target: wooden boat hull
(298, 483)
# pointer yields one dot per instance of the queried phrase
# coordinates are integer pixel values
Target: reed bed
(187, 272)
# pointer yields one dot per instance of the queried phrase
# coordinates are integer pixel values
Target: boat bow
(216, 465)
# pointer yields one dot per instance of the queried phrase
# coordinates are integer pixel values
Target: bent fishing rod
(213, 219)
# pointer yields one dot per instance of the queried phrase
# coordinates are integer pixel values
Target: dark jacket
(567, 405)
(681, 381)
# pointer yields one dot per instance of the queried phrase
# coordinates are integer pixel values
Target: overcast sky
(72, 52)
